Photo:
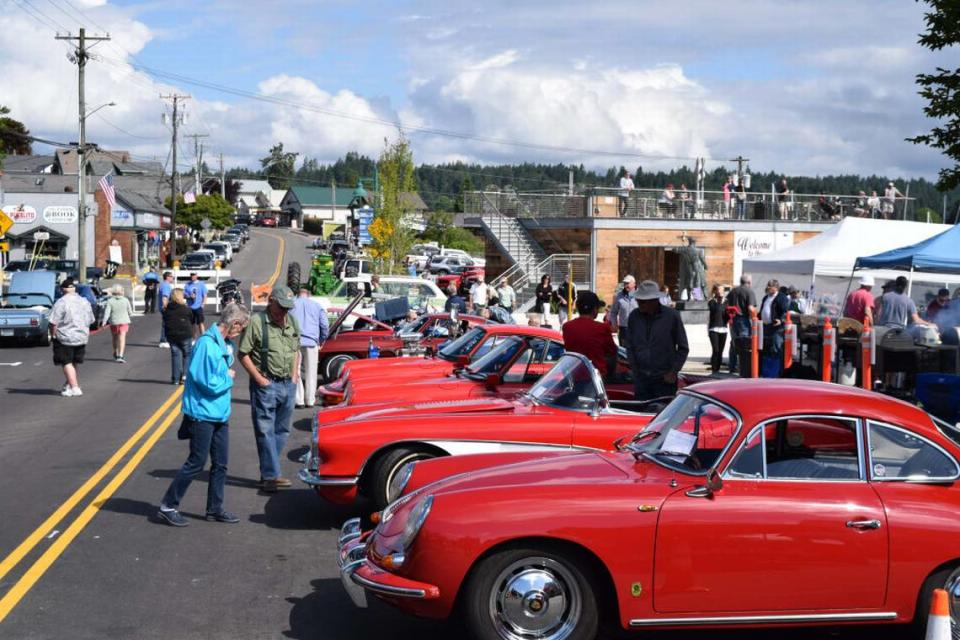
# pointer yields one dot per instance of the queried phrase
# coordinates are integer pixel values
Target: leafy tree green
(210, 206)
(440, 229)
(12, 135)
(396, 178)
(942, 89)
(278, 166)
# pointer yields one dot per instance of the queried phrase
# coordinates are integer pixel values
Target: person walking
(543, 294)
(151, 282)
(591, 338)
(117, 315)
(196, 294)
(270, 353)
(479, 295)
(626, 187)
(507, 295)
(69, 326)
(563, 294)
(658, 344)
(165, 289)
(623, 305)
(717, 327)
(773, 311)
(314, 329)
(206, 416)
(178, 325)
(744, 301)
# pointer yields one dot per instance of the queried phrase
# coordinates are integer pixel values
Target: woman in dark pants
(544, 294)
(177, 324)
(717, 327)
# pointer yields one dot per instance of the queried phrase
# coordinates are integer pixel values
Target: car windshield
(417, 295)
(462, 345)
(689, 434)
(24, 300)
(572, 383)
(497, 358)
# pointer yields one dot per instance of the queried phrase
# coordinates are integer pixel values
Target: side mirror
(713, 485)
(491, 381)
(462, 361)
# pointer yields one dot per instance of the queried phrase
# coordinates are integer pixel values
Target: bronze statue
(693, 267)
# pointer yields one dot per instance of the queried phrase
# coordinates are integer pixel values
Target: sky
(812, 88)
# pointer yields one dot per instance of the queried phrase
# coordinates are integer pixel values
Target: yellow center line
(44, 529)
(276, 271)
(36, 571)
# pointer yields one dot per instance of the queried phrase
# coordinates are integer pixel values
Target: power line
(57, 25)
(124, 131)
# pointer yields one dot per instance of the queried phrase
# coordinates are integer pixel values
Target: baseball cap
(647, 290)
(68, 284)
(283, 295)
(867, 281)
(629, 279)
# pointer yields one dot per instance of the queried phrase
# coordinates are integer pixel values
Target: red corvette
(370, 451)
(456, 353)
(743, 503)
(345, 345)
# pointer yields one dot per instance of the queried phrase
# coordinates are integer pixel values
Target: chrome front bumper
(351, 553)
(313, 479)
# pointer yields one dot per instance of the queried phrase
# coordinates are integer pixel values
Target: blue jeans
(206, 438)
(740, 329)
(272, 409)
(163, 329)
(179, 359)
(650, 387)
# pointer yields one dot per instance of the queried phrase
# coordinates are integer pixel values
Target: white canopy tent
(822, 266)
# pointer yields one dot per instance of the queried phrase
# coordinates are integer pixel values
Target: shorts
(117, 329)
(64, 354)
(196, 316)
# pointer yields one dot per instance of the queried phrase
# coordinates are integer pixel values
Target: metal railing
(524, 278)
(610, 202)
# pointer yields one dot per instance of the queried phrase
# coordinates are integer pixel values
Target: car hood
(474, 405)
(381, 367)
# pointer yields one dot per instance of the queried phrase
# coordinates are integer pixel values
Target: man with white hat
(658, 344)
(623, 305)
(860, 304)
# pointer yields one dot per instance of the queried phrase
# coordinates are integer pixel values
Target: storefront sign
(750, 244)
(60, 215)
(21, 213)
(149, 220)
(120, 217)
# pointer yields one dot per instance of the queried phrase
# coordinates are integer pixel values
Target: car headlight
(418, 515)
(400, 480)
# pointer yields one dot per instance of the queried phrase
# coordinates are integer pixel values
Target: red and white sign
(20, 213)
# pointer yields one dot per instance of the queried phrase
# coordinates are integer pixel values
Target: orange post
(789, 341)
(866, 355)
(756, 335)
(826, 354)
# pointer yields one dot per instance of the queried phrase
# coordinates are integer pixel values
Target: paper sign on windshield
(679, 442)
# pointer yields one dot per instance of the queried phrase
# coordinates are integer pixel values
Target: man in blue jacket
(773, 311)
(206, 413)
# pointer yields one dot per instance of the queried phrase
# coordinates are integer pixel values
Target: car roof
(523, 330)
(759, 399)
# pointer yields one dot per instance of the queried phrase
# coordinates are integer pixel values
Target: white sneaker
(70, 392)
(164, 345)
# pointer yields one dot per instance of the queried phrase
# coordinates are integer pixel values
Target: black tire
(333, 365)
(293, 276)
(938, 580)
(45, 340)
(571, 613)
(384, 471)
(443, 272)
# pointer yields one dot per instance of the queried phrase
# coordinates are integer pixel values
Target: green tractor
(323, 281)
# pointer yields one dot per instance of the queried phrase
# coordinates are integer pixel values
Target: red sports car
(743, 503)
(346, 345)
(454, 354)
(369, 451)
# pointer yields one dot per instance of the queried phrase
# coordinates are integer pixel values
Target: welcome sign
(750, 244)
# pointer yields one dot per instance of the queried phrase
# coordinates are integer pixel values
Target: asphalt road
(82, 554)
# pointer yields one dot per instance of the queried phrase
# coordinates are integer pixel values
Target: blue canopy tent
(937, 254)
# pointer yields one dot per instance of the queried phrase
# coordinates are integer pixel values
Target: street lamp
(81, 174)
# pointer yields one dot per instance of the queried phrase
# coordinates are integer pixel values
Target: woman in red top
(587, 336)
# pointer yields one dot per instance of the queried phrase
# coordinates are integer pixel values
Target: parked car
(241, 229)
(71, 269)
(223, 251)
(235, 241)
(444, 265)
(461, 280)
(481, 262)
(197, 261)
(770, 503)
(265, 221)
(566, 409)
(244, 219)
(421, 294)
(25, 307)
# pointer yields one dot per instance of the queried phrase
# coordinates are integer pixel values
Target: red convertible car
(427, 331)
(457, 353)
(743, 503)
(370, 452)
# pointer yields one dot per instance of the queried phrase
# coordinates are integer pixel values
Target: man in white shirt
(479, 295)
(626, 186)
(508, 297)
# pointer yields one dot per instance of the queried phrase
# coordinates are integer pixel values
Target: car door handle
(863, 524)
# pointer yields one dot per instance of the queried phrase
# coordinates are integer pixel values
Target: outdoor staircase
(510, 236)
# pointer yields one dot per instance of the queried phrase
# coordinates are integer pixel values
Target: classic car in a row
(742, 503)
(369, 452)
(25, 307)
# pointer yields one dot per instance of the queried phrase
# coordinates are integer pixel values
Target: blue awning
(940, 254)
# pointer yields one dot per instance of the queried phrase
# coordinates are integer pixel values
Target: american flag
(106, 185)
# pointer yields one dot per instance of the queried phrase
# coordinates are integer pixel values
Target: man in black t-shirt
(745, 301)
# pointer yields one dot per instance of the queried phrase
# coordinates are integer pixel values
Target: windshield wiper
(643, 435)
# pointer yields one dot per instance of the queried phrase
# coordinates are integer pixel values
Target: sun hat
(867, 281)
(647, 290)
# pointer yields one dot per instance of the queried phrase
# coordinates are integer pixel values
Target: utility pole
(80, 56)
(198, 159)
(177, 117)
(223, 179)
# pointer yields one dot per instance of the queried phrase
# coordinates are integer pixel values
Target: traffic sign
(5, 223)
(205, 223)
(4, 246)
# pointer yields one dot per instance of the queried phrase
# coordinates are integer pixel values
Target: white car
(421, 294)
(480, 262)
(223, 250)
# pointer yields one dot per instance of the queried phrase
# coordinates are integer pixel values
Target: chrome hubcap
(535, 598)
(952, 587)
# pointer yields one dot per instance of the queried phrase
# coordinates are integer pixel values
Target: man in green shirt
(270, 352)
